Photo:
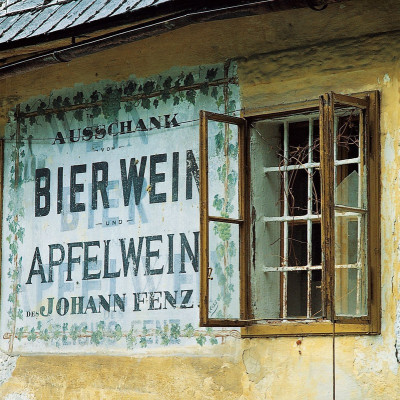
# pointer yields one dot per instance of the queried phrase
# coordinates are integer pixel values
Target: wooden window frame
(331, 323)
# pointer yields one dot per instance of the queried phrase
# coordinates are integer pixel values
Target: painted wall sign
(101, 226)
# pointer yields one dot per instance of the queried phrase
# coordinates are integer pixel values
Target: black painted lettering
(62, 306)
(91, 305)
(77, 305)
(150, 254)
(76, 188)
(173, 122)
(185, 302)
(185, 248)
(157, 178)
(126, 126)
(104, 303)
(42, 192)
(192, 171)
(155, 122)
(120, 302)
(59, 138)
(170, 253)
(87, 134)
(140, 126)
(138, 299)
(40, 271)
(100, 185)
(72, 137)
(107, 273)
(132, 179)
(86, 260)
(72, 260)
(60, 182)
(132, 254)
(170, 299)
(154, 301)
(42, 309)
(52, 262)
(175, 175)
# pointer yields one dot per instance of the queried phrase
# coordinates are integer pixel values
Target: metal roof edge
(145, 30)
(221, 9)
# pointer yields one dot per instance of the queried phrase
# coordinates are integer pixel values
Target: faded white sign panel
(101, 218)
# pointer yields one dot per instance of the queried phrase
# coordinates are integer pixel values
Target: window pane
(287, 150)
(316, 251)
(347, 189)
(316, 191)
(351, 269)
(223, 175)
(297, 194)
(297, 294)
(298, 142)
(347, 138)
(224, 288)
(316, 294)
(297, 245)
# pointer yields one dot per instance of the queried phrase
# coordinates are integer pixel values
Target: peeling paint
(386, 78)
(397, 332)
(7, 366)
(20, 396)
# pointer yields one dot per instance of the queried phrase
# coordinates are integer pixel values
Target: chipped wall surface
(367, 367)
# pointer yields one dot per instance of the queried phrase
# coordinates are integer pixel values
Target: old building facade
(199, 201)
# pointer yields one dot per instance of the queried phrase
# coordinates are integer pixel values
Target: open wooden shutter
(223, 220)
(344, 196)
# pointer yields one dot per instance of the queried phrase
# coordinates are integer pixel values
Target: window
(290, 218)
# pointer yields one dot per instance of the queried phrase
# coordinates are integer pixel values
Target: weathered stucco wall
(270, 368)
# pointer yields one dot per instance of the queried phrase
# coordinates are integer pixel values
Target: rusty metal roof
(22, 19)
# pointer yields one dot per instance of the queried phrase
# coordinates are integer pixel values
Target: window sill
(307, 328)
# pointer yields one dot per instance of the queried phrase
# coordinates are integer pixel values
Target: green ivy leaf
(188, 331)
(60, 115)
(146, 103)
(66, 102)
(130, 88)
(78, 98)
(94, 97)
(175, 331)
(42, 106)
(96, 111)
(191, 96)
(57, 102)
(211, 74)
(220, 101)
(214, 92)
(201, 340)
(165, 96)
(204, 88)
(167, 83)
(219, 142)
(32, 335)
(128, 106)
(148, 87)
(189, 80)
(78, 115)
(111, 103)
